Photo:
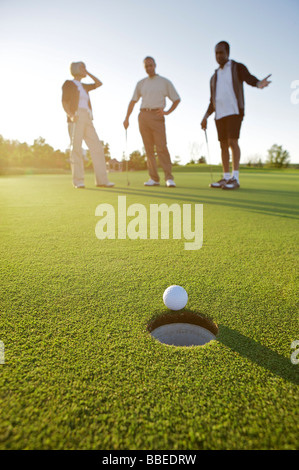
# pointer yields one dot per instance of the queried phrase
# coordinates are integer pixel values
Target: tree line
(41, 155)
(15, 154)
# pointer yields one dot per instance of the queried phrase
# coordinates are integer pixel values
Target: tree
(254, 161)
(195, 150)
(137, 160)
(42, 153)
(177, 161)
(106, 151)
(277, 157)
(14, 154)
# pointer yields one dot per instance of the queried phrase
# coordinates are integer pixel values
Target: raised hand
(265, 82)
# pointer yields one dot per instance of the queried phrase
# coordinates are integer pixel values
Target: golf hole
(183, 329)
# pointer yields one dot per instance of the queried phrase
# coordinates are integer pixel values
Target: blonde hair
(75, 68)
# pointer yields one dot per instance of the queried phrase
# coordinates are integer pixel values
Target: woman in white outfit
(77, 105)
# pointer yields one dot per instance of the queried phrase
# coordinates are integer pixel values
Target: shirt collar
(228, 64)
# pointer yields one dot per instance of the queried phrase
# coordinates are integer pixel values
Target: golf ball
(175, 297)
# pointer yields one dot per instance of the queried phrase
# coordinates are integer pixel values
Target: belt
(149, 109)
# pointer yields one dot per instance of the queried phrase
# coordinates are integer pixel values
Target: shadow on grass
(260, 355)
(246, 347)
(259, 206)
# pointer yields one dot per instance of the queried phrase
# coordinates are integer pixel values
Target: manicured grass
(81, 369)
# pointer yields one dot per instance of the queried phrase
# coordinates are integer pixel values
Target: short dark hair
(149, 57)
(225, 44)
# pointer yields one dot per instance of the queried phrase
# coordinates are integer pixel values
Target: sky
(39, 39)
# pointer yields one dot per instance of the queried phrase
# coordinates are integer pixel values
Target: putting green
(81, 369)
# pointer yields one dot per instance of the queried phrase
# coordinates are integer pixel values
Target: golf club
(211, 170)
(72, 136)
(126, 158)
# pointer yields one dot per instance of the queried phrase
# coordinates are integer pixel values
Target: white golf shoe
(151, 182)
(170, 184)
(219, 184)
(107, 185)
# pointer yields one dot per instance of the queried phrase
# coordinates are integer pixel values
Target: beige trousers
(153, 133)
(81, 130)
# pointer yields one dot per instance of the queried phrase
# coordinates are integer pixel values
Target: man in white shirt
(153, 90)
(227, 100)
(76, 103)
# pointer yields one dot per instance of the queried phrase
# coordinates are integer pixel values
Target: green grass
(81, 370)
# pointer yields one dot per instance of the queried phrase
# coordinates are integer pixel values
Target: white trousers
(81, 130)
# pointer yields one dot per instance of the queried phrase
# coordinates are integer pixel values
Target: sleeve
(66, 92)
(246, 76)
(211, 108)
(67, 96)
(171, 92)
(137, 93)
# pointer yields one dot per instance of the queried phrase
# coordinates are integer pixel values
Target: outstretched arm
(246, 76)
(263, 83)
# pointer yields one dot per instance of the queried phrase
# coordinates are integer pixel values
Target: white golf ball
(175, 297)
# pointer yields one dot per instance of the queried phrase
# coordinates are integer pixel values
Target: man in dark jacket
(227, 101)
